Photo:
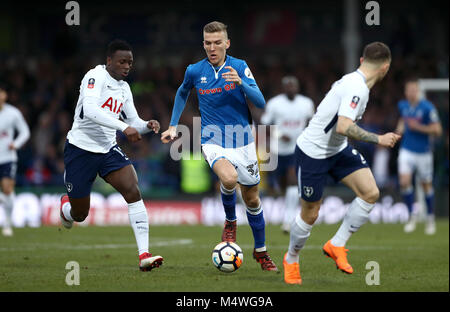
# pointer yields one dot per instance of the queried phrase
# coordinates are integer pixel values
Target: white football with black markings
(227, 257)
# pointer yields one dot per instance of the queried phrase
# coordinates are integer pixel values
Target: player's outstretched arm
(347, 127)
(180, 102)
(130, 116)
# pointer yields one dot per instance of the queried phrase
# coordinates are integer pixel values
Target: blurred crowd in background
(43, 74)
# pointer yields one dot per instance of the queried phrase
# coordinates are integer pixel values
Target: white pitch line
(319, 247)
(97, 246)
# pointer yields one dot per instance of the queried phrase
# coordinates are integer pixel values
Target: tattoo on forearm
(355, 132)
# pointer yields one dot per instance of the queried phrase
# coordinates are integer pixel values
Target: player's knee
(252, 202)
(310, 211)
(229, 180)
(7, 188)
(372, 196)
(132, 194)
(7, 191)
(311, 217)
(427, 187)
(405, 182)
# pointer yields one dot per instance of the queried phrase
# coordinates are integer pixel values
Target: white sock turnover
(357, 215)
(300, 232)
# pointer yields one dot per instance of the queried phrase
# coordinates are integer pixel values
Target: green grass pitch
(35, 259)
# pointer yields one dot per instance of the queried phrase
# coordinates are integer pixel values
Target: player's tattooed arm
(346, 126)
(357, 133)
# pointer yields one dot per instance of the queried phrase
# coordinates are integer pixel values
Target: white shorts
(243, 159)
(408, 162)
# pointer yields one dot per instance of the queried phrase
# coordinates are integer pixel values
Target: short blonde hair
(215, 27)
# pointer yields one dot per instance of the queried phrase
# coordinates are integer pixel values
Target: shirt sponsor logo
(113, 106)
(227, 87)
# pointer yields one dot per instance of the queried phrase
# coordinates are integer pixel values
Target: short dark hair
(116, 45)
(215, 27)
(377, 52)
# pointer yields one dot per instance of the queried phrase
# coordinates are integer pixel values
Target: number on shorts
(118, 150)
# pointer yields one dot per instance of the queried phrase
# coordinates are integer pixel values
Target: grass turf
(35, 259)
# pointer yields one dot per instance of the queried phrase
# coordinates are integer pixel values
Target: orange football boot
(291, 272)
(339, 255)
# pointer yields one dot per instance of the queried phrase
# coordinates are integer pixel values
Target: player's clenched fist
(154, 125)
(389, 139)
(169, 135)
(132, 134)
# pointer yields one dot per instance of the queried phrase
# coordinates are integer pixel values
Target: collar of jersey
(216, 72)
(117, 82)
(362, 75)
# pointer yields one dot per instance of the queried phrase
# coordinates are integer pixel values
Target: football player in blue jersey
(223, 83)
(418, 121)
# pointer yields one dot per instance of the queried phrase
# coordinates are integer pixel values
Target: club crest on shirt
(308, 191)
(355, 101)
(91, 83)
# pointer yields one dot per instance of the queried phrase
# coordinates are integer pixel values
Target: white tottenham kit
(102, 101)
(11, 119)
(290, 117)
(348, 97)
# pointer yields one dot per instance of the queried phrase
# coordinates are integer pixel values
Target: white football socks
(291, 204)
(137, 214)
(357, 215)
(300, 232)
(8, 204)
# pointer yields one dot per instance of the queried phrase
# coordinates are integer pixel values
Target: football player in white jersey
(290, 112)
(91, 146)
(11, 120)
(322, 150)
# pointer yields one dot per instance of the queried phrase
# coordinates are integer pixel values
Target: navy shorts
(82, 167)
(8, 170)
(313, 173)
